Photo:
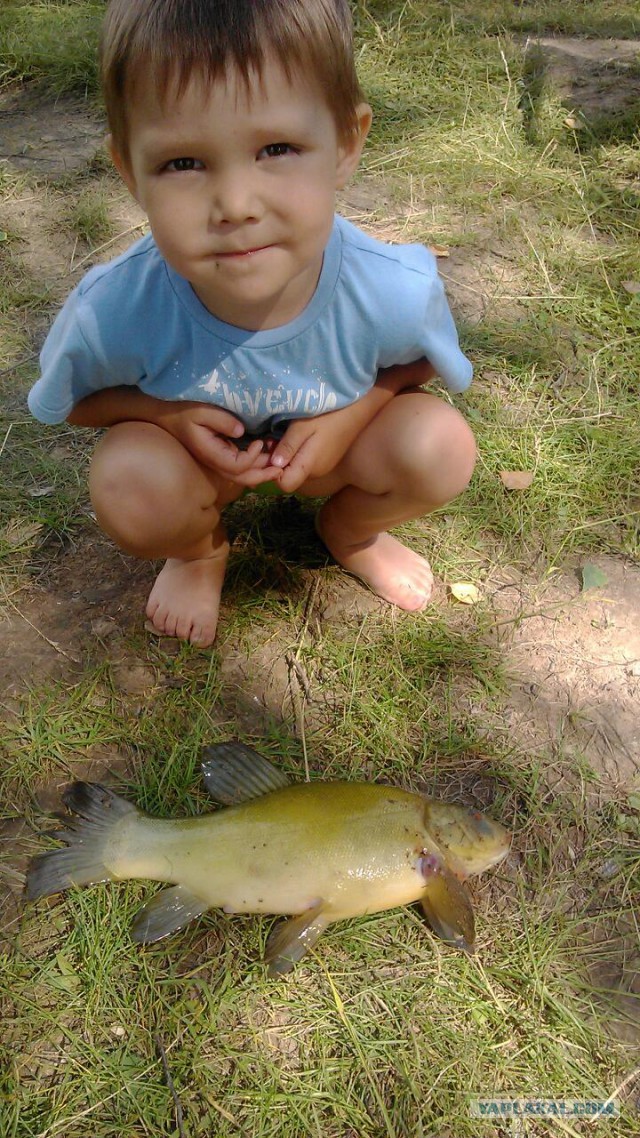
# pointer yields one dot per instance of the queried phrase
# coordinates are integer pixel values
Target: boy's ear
(122, 166)
(350, 149)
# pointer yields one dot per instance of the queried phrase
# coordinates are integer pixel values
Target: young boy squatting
(239, 343)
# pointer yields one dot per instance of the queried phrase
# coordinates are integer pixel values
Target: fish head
(470, 841)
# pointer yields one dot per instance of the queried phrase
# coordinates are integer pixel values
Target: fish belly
(353, 847)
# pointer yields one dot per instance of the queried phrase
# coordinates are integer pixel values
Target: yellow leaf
(465, 592)
(516, 479)
(574, 123)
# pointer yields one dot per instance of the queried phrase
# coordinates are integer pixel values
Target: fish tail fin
(97, 810)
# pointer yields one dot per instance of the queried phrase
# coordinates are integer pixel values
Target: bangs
(170, 41)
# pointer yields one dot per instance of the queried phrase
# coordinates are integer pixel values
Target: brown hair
(172, 39)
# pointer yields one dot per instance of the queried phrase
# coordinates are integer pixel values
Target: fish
(315, 852)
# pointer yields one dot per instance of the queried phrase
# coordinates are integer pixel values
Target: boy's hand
(208, 433)
(311, 448)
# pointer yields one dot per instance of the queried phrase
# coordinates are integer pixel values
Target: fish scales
(354, 845)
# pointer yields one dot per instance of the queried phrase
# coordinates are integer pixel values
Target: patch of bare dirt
(39, 220)
(47, 135)
(599, 78)
(574, 655)
(483, 282)
(86, 600)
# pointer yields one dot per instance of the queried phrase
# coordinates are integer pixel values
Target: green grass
(51, 42)
(381, 1031)
(88, 216)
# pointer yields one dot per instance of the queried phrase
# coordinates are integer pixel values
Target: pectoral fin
(235, 773)
(290, 940)
(168, 911)
(448, 910)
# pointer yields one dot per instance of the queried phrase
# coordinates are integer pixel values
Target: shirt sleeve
(71, 366)
(438, 339)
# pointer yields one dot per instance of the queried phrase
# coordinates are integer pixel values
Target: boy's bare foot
(395, 573)
(185, 598)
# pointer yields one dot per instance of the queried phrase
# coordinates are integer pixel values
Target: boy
(239, 343)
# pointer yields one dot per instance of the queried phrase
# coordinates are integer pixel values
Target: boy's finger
(288, 447)
(225, 457)
(294, 475)
(248, 457)
(252, 478)
(224, 423)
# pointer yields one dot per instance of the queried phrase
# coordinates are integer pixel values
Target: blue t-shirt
(135, 321)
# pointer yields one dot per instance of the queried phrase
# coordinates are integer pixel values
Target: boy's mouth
(238, 254)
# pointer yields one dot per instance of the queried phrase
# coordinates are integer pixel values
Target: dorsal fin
(235, 773)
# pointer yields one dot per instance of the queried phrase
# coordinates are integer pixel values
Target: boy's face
(239, 188)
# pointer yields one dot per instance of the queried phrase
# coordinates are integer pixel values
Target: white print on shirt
(212, 384)
(255, 403)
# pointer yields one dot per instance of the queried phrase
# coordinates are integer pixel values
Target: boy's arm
(204, 430)
(310, 448)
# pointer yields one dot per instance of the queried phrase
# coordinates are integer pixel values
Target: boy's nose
(233, 200)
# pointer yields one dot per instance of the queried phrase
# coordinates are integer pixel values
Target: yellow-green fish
(314, 851)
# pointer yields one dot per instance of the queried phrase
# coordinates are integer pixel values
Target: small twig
(24, 360)
(296, 668)
(171, 1087)
(221, 1110)
(621, 1086)
(298, 695)
(4, 441)
(301, 675)
(73, 253)
(107, 244)
(51, 643)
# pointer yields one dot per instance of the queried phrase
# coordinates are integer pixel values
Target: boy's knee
(436, 433)
(131, 489)
(137, 458)
(436, 452)
(118, 467)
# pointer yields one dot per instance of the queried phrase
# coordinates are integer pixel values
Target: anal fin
(290, 940)
(447, 907)
(170, 910)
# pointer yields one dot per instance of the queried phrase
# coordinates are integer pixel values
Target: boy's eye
(277, 149)
(183, 165)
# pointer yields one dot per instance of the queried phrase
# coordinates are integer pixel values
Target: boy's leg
(153, 498)
(415, 456)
